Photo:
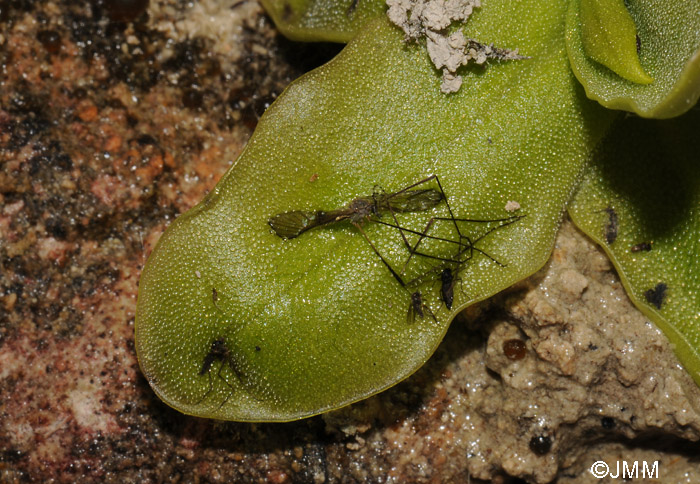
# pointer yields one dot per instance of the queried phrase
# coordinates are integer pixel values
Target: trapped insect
(657, 295)
(418, 308)
(289, 225)
(454, 251)
(642, 247)
(611, 226)
(447, 286)
(218, 351)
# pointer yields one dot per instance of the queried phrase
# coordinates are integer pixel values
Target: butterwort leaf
(667, 49)
(609, 37)
(323, 20)
(237, 323)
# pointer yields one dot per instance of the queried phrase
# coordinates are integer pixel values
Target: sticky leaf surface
(324, 20)
(317, 322)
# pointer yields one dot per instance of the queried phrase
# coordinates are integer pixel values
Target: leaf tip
(609, 37)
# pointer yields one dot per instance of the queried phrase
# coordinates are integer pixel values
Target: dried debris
(512, 206)
(448, 51)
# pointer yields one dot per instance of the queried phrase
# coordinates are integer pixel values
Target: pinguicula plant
(523, 110)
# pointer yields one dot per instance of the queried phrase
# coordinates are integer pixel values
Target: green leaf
(317, 322)
(669, 42)
(609, 36)
(323, 20)
(648, 173)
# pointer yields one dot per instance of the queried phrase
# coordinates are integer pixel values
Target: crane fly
(289, 225)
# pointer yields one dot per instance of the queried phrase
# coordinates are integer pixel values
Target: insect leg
(218, 374)
(211, 387)
(426, 236)
(391, 269)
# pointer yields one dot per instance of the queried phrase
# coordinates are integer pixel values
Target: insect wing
(415, 308)
(414, 200)
(289, 225)
(411, 315)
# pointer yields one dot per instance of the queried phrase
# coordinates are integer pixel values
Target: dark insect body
(643, 247)
(289, 225)
(447, 287)
(657, 295)
(219, 351)
(418, 308)
(611, 226)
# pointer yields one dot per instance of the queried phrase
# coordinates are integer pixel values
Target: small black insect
(639, 43)
(657, 295)
(418, 308)
(611, 226)
(219, 351)
(447, 286)
(644, 246)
